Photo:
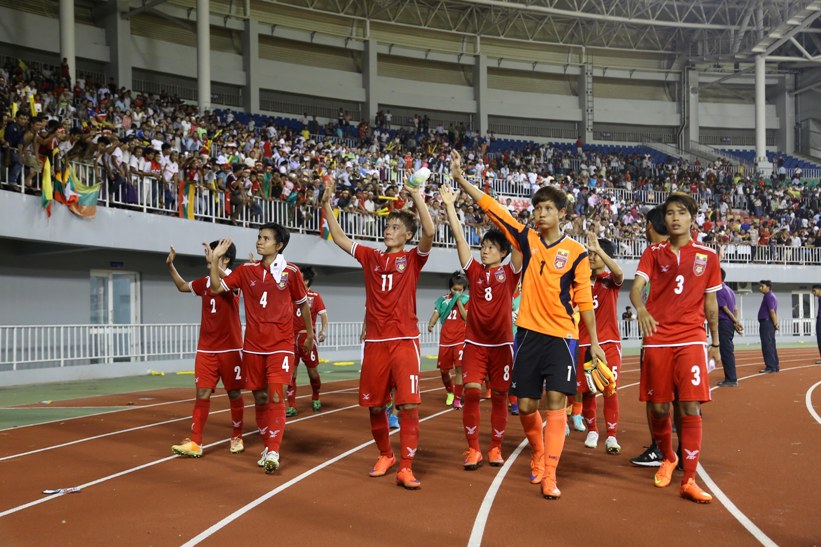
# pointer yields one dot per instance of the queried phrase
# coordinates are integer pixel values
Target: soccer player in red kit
(310, 358)
(268, 289)
(685, 278)
(391, 350)
(219, 351)
(451, 311)
(489, 335)
(605, 286)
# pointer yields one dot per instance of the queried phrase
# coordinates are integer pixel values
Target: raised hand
(207, 250)
(222, 248)
(172, 254)
(455, 164)
(330, 189)
(593, 243)
(448, 195)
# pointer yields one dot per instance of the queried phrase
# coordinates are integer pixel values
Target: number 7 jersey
(679, 284)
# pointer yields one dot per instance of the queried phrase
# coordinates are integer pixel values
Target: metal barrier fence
(25, 347)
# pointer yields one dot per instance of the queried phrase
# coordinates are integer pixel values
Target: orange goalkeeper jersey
(554, 277)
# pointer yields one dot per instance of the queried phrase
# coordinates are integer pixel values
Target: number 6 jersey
(679, 284)
(490, 320)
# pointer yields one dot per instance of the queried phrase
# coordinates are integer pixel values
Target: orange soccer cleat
(494, 457)
(693, 492)
(549, 489)
(665, 473)
(405, 479)
(188, 448)
(473, 459)
(536, 468)
(383, 463)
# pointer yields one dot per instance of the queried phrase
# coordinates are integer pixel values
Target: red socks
(291, 394)
(554, 440)
(408, 435)
(380, 431)
(498, 418)
(470, 417)
(201, 409)
(589, 411)
(263, 417)
(611, 413)
(457, 391)
(237, 411)
(277, 428)
(316, 384)
(663, 435)
(691, 431)
(446, 380)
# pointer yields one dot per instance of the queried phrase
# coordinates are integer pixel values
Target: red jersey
(390, 291)
(317, 307)
(679, 282)
(220, 328)
(490, 321)
(268, 294)
(453, 326)
(605, 303)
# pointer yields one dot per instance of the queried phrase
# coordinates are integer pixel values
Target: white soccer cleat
(592, 440)
(612, 445)
(271, 461)
(262, 456)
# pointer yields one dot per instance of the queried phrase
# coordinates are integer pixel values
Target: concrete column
(369, 79)
(203, 56)
(785, 110)
(760, 116)
(480, 93)
(250, 64)
(586, 102)
(691, 96)
(67, 41)
(118, 38)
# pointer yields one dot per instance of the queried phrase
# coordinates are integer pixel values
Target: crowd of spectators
(148, 147)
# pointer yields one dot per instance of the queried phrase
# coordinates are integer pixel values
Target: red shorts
(389, 365)
(494, 362)
(450, 356)
(667, 371)
(210, 368)
(264, 369)
(613, 354)
(311, 358)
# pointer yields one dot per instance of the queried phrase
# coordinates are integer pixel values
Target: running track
(761, 449)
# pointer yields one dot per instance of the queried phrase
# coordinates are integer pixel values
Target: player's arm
(431, 322)
(182, 284)
(739, 326)
(711, 311)
(362, 332)
(426, 238)
(323, 318)
(583, 298)
(305, 308)
(462, 247)
(647, 324)
(216, 255)
(516, 259)
(342, 241)
(458, 175)
(615, 270)
(774, 318)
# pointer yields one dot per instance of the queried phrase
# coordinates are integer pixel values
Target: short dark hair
(550, 193)
(405, 217)
(230, 254)
(767, 283)
(683, 199)
(655, 217)
(607, 246)
(281, 234)
(496, 236)
(457, 278)
(308, 274)
(816, 286)
(723, 274)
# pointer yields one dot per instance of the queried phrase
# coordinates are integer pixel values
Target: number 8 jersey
(679, 284)
(490, 320)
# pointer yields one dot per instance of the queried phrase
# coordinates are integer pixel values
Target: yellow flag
(32, 105)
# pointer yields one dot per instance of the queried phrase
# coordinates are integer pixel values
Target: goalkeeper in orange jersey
(605, 277)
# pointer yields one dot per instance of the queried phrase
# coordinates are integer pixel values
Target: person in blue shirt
(728, 325)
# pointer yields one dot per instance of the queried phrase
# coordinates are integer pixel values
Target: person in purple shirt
(816, 292)
(767, 327)
(728, 325)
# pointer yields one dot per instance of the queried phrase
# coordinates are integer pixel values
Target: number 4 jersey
(679, 284)
(490, 320)
(220, 329)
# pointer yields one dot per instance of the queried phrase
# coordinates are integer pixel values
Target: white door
(803, 317)
(115, 298)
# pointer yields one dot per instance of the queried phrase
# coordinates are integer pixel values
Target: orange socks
(532, 425)
(554, 440)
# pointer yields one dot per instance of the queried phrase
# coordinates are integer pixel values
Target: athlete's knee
(408, 406)
(204, 393)
(660, 410)
(473, 385)
(528, 406)
(261, 397)
(690, 408)
(234, 394)
(376, 409)
(555, 400)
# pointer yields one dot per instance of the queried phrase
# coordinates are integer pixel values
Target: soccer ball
(419, 178)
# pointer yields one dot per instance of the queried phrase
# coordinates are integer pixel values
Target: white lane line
(808, 401)
(169, 458)
(262, 499)
(478, 530)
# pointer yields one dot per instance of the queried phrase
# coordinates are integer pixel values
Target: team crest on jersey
(401, 264)
(283, 281)
(500, 275)
(700, 264)
(561, 259)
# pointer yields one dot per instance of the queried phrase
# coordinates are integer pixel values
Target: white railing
(25, 347)
(787, 327)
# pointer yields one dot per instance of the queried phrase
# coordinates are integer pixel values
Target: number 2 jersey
(317, 307)
(390, 292)
(605, 302)
(220, 328)
(269, 294)
(490, 320)
(679, 284)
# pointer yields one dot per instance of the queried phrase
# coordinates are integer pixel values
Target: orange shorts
(210, 368)
(264, 369)
(388, 365)
(450, 356)
(667, 371)
(494, 362)
(613, 354)
(310, 358)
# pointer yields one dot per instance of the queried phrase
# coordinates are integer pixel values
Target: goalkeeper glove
(599, 377)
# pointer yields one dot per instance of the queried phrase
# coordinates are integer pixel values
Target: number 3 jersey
(679, 284)
(390, 292)
(220, 329)
(490, 320)
(269, 294)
